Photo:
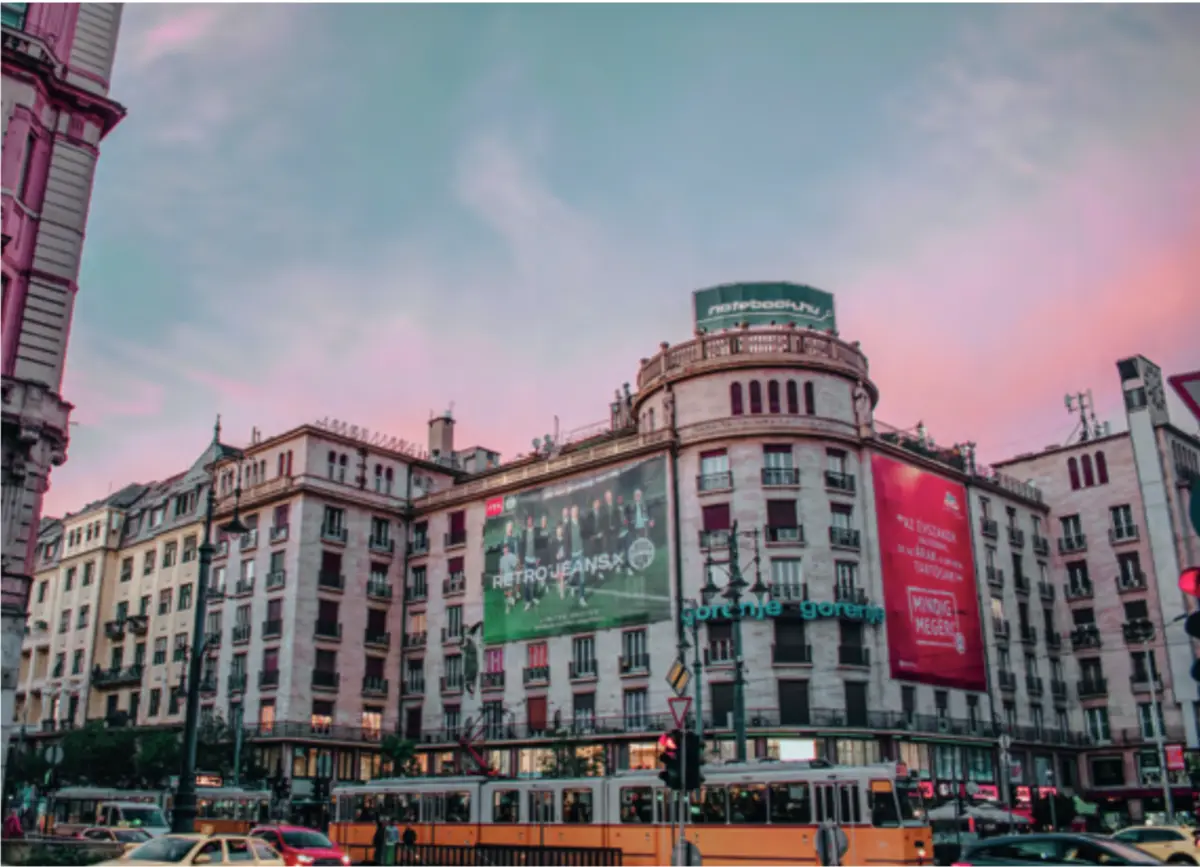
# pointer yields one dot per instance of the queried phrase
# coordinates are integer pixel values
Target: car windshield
(164, 850)
(150, 816)
(1130, 854)
(131, 836)
(305, 840)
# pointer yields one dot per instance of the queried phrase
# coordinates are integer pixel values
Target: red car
(302, 847)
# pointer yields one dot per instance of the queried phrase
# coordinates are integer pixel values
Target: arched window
(262, 470)
(793, 398)
(1101, 468)
(289, 462)
(1088, 478)
(1073, 472)
(342, 462)
(279, 470)
(332, 464)
(773, 396)
(388, 478)
(735, 399)
(650, 418)
(378, 477)
(755, 397)
(810, 399)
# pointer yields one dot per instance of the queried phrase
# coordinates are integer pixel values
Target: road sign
(678, 677)
(1175, 760)
(680, 705)
(1187, 386)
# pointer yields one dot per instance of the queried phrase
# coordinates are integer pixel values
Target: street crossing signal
(1189, 583)
(668, 757)
(693, 758)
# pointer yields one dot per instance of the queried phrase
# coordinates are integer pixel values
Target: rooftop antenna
(1081, 404)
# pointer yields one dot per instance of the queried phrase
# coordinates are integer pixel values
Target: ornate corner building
(57, 61)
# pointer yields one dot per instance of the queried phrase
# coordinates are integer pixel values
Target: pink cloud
(180, 30)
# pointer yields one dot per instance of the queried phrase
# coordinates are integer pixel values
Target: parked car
(301, 847)
(1175, 844)
(1054, 849)
(130, 837)
(197, 849)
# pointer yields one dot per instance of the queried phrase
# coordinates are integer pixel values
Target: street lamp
(1143, 633)
(183, 817)
(735, 588)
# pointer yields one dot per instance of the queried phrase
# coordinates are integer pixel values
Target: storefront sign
(750, 610)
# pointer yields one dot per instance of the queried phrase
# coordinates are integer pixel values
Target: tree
(564, 760)
(98, 755)
(25, 767)
(158, 758)
(402, 753)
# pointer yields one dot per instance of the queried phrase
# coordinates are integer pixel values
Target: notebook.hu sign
(751, 610)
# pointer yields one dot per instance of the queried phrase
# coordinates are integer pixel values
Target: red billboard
(929, 591)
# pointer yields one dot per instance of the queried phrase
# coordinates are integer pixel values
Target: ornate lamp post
(183, 817)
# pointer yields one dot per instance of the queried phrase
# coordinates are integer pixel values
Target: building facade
(57, 61)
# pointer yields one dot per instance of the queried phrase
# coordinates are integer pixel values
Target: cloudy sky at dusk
(368, 212)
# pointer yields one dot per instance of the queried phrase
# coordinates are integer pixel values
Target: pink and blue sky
(370, 212)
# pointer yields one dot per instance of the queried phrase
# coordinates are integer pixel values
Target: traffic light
(693, 758)
(668, 757)
(1189, 583)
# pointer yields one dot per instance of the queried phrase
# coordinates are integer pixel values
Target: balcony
(106, 677)
(243, 587)
(372, 685)
(208, 683)
(382, 640)
(712, 539)
(1041, 545)
(1077, 591)
(268, 679)
(1086, 637)
(1028, 635)
(995, 578)
(454, 539)
(279, 533)
(418, 593)
(455, 585)
(380, 591)
(989, 527)
(1006, 680)
(328, 630)
(272, 628)
(249, 540)
(707, 482)
(1142, 682)
(1074, 544)
(634, 664)
(419, 546)
(1001, 629)
(581, 669)
(452, 683)
(1053, 641)
(790, 591)
(241, 633)
(276, 579)
(414, 685)
(844, 537)
(222, 550)
(1046, 591)
(415, 639)
(1123, 534)
(1033, 685)
(791, 654)
(784, 535)
(491, 680)
(386, 547)
(237, 681)
(839, 483)
(853, 655)
(780, 477)
(336, 535)
(452, 635)
(1058, 689)
(1016, 538)
(334, 582)
(1139, 631)
(1131, 583)
(115, 629)
(326, 679)
(1021, 584)
(537, 675)
(1092, 687)
(850, 595)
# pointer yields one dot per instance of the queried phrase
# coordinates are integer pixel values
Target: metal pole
(1053, 797)
(237, 746)
(698, 664)
(1155, 710)
(739, 679)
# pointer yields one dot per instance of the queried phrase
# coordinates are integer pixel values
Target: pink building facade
(57, 62)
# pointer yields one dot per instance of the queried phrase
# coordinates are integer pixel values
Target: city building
(57, 61)
(1122, 537)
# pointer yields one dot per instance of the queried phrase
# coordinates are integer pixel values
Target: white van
(128, 814)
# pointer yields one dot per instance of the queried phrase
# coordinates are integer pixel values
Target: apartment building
(1122, 537)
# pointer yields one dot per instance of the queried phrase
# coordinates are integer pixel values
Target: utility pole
(1156, 713)
(698, 665)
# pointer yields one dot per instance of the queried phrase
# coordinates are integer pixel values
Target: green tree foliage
(158, 758)
(25, 767)
(402, 753)
(97, 755)
(564, 760)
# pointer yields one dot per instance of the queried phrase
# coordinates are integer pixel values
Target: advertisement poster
(934, 633)
(730, 305)
(589, 553)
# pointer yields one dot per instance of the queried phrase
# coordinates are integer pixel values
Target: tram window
(709, 806)
(851, 813)
(666, 808)
(825, 802)
(637, 808)
(577, 806)
(408, 808)
(432, 808)
(506, 806)
(541, 807)
(458, 807)
(790, 804)
(748, 804)
(885, 811)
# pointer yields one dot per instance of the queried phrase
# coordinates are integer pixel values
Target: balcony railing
(208, 684)
(789, 591)
(491, 680)
(995, 578)
(331, 581)
(102, 677)
(1058, 689)
(1078, 590)
(849, 595)
(379, 590)
(115, 629)
(1085, 637)
(241, 633)
(844, 537)
(1000, 628)
(244, 587)
(1123, 533)
(455, 584)
(1053, 640)
(333, 534)
(454, 539)
(1041, 545)
(373, 638)
(710, 539)
(537, 675)
(418, 593)
(414, 685)
(1073, 544)
(1046, 591)
(1095, 687)
(722, 481)
(419, 546)
(415, 639)
(780, 477)
(1006, 680)
(1131, 583)
(579, 669)
(249, 540)
(326, 679)
(1021, 584)
(268, 679)
(237, 681)
(1138, 631)
(276, 579)
(279, 533)
(1028, 635)
(452, 635)
(329, 630)
(777, 535)
(637, 663)
(372, 685)
(989, 527)
(1033, 685)
(452, 683)
(382, 546)
(791, 654)
(849, 654)
(1016, 537)
(843, 483)
(1142, 682)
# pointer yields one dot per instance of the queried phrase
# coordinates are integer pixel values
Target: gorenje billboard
(588, 554)
(730, 305)
(929, 590)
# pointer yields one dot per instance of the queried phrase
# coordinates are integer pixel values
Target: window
(335, 522)
(148, 563)
(380, 531)
(1095, 720)
(88, 570)
(169, 552)
(1146, 719)
(810, 400)
(755, 397)
(1101, 468)
(122, 612)
(787, 579)
(189, 549)
(155, 702)
(185, 597)
(64, 621)
(144, 606)
(635, 707)
(41, 593)
(31, 139)
(773, 397)
(84, 610)
(1073, 472)
(735, 399)
(181, 646)
(69, 581)
(60, 663)
(160, 650)
(793, 400)
(126, 570)
(331, 464)
(164, 601)
(1089, 479)
(1071, 527)
(77, 660)
(1122, 521)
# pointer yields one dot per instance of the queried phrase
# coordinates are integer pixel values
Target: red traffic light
(1189, 581)
(667, 744)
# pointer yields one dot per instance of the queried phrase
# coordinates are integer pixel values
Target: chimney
(441, 437)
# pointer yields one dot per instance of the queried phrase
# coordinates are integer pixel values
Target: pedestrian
(12, 829)
(379, 840)
(392, 838)
(410, 838)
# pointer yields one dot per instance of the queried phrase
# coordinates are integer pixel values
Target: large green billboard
(590, 553)
(730, 305)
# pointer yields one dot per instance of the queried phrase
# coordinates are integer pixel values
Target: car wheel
(1181, 859)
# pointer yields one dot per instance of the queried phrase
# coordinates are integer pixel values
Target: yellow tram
(753, 813)
(219, 809)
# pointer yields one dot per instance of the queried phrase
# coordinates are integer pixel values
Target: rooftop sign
(730, 305)
(380, 440)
